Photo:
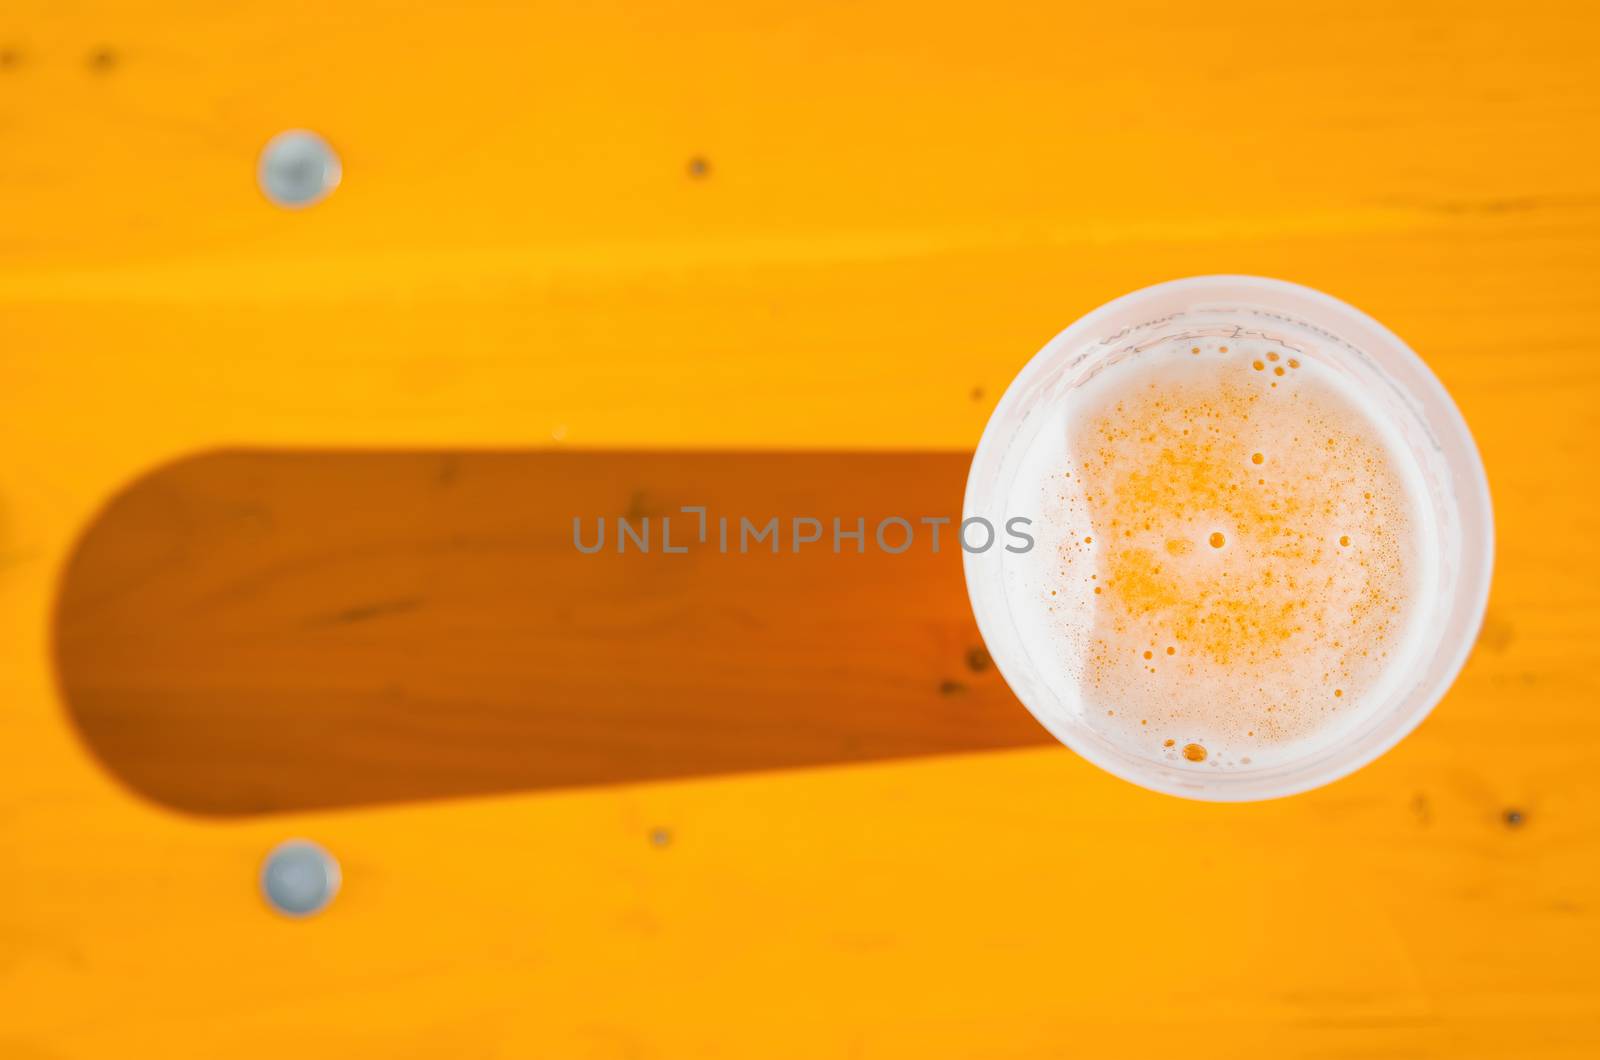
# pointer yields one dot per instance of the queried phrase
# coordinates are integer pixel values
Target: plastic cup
(1402, 390)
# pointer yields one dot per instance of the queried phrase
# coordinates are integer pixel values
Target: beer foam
(1229, 558)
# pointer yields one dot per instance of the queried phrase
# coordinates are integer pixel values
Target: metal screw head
(299, 878)
(298, 169)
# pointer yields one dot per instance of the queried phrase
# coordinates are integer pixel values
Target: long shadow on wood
(249, 632)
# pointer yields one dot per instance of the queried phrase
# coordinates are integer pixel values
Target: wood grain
(903, 201)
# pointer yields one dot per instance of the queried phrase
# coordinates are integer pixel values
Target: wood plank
(903, 201)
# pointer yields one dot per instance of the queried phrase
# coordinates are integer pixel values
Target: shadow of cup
(250, 632)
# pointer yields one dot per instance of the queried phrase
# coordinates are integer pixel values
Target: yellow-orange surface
(894, 206)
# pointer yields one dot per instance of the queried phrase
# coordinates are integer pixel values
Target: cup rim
(1476, 567)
